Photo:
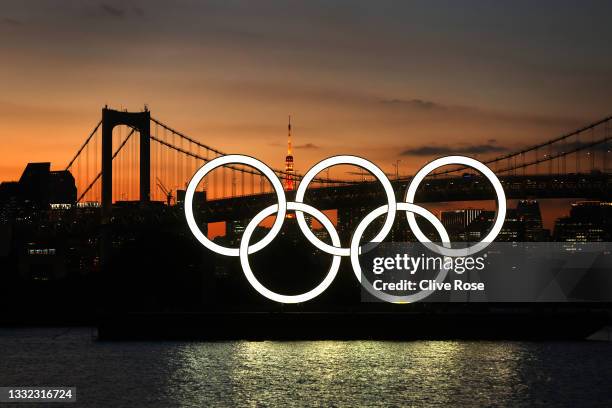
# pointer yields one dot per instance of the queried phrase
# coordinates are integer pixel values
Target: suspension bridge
(132, 156)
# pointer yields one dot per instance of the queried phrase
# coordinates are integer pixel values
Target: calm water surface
(323, 373)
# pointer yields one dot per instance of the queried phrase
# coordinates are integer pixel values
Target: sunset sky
(384, 80)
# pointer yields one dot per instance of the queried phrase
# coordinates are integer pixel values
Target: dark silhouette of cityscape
(50, 256)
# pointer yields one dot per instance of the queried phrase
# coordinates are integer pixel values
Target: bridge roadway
(465, 188)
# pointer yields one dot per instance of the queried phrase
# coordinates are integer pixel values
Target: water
(322, 373)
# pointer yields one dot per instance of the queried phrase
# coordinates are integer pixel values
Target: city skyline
(409, 81)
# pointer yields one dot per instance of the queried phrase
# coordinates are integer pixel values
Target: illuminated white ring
(501, 205)
(355, 251)
(246, 267)
(235, 159)
(333, 161)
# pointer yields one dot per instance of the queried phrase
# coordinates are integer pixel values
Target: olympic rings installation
(336, 250)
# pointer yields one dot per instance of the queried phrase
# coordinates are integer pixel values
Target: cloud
(467, 112)
(492, 147)
(584, 146)
(11, 22)
(286, 91)
(430, 150)
(112, 10)
(307, 146)
(414, 103)
(16, 111)
(120, 12)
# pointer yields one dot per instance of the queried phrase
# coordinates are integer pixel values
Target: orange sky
(383, 80)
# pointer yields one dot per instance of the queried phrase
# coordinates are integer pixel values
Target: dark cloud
(307, 146)
(444, 150)
(467, 112)
(11, 21)
(586, 146)
(112, 10)
(414, 103)
(120, 12)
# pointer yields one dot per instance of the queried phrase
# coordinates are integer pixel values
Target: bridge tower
(140, 121)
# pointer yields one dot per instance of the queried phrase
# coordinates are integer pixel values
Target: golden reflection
(341, 372)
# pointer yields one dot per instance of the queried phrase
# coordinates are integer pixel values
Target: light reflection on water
(324, 373)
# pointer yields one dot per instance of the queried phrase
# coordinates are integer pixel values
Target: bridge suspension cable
(78, 153)
(281, 173)
(119, 148)
(175, 156)
(549, 157)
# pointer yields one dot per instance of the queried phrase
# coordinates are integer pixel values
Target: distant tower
(290, 180)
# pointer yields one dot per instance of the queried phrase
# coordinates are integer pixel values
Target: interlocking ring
(355, 251)
(235, 159)
(336, 249)
(334, 161)
(246, 267)
(499, 218)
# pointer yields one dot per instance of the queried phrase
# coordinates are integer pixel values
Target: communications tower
(290, 180)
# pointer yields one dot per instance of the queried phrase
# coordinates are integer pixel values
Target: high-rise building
(529, 214)
(349, 218)
(512, 229)
(589, 221)
(456, 222)
(42, 186)
(459, 218)
(234, 230)
(38, 188)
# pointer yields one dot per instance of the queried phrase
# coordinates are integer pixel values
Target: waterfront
(323, 373)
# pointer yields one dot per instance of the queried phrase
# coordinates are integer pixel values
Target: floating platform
(215, 326)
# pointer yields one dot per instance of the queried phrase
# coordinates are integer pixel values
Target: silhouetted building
(44, 187)
(459, 218)
(38, 188)
(589, 221)
(512, 230)
(10, 201)
(42, 261)
(234, 230)
(349, 218)
(456, 222)
(530, 215)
